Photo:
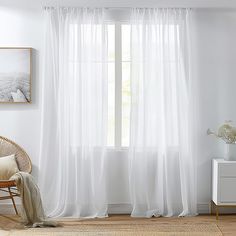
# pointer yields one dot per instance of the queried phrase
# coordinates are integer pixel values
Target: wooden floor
(226, 223)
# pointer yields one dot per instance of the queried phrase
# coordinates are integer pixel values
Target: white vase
(230, 152)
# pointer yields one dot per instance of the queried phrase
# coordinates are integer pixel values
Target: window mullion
(118, 85)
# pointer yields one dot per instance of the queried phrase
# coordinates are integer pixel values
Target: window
(119, 98)
(119, 91)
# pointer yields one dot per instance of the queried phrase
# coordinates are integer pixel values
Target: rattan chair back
(8, 147)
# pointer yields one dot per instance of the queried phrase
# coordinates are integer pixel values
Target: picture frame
(15, 74)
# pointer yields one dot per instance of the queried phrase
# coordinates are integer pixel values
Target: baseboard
(203, 208)
(123, 208)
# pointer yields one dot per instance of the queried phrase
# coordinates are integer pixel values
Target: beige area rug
(10, 226)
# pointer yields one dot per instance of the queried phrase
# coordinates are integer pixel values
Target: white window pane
(126, 94)
(126, 102)
(125, 42)
(111, 42)
(111, 104)
(111, 86)
(84, 32)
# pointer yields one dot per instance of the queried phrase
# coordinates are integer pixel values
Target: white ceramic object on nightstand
(230, 152)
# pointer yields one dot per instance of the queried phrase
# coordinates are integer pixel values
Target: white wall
(214, 52)
(21, 122)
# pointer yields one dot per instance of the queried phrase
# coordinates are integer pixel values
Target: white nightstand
(223, 184)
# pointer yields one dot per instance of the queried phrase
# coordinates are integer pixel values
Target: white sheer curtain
(162, 175)
(72, 166)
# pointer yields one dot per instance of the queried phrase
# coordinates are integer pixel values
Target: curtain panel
(162, 174)
(74, 127)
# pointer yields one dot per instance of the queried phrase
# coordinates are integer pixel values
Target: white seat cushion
(8, 167)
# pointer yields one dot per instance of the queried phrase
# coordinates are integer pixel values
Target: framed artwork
(15, 75)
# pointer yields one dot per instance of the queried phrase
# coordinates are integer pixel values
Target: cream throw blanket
(32, 212)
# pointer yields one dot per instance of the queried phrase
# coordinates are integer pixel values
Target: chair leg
(13, 201)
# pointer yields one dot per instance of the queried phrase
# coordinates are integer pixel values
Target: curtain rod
(110, 8)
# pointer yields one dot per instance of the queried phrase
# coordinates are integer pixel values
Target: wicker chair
(8, 147)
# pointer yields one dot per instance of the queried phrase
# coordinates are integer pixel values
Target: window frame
(118, 84)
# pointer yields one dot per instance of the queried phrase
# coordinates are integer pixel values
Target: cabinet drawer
(228, 190)
(227, 169)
